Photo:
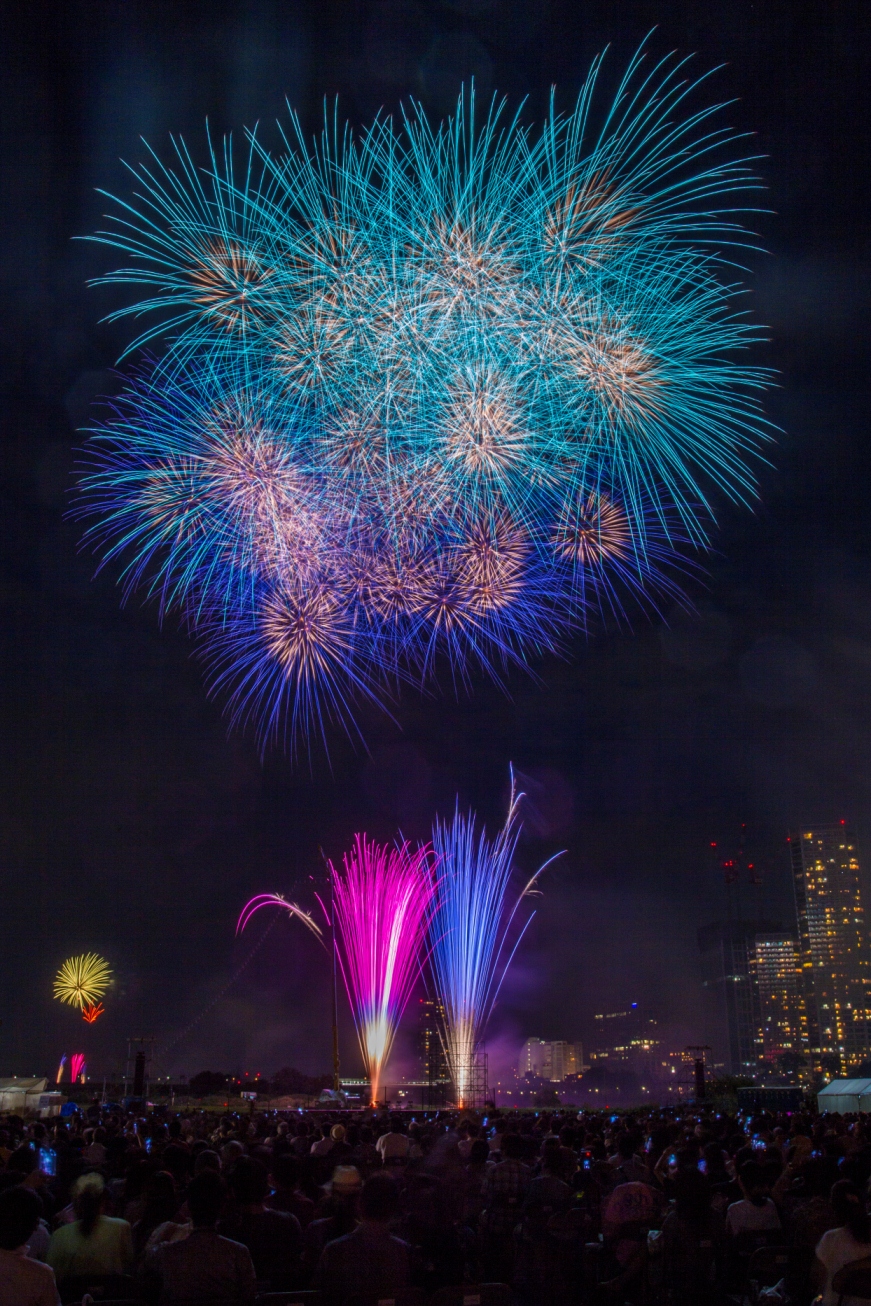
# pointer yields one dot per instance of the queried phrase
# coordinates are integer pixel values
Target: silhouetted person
(274, 1238)
(370, 1259)
(204, 1266)
(23, 1282)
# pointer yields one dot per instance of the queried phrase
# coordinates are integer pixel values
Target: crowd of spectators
(682, 1208)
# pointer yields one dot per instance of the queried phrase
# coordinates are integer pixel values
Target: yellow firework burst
(82, 980)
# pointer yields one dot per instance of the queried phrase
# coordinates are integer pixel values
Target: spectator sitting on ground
(851, 1241)
(95, 1152)
(692, 1241)
(394, 1147)
(204, 1265)
(341, 1149)
(274, 1238)
(339, 1219)
(161, 1204)
(627, 1165)
(756, 1212)
(323, 1145)
(502, 1194)
(230, 1153)
(23, 1281)
(93, 1243)
(370, 1259)
(547, 1194)
(285, 1194)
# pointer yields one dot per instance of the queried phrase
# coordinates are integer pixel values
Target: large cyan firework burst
(428, 395)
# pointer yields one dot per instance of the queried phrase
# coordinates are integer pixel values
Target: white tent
(20, 1095)
(845, 1095)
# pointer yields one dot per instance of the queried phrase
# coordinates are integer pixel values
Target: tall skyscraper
(431, 1015)
(834, 971)
(781, 1011)
(732, 998)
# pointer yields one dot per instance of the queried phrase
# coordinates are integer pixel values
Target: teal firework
(427, 396)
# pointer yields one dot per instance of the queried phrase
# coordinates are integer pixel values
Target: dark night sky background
(132, 824)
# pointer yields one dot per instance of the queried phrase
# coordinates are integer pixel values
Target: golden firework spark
(81, 981)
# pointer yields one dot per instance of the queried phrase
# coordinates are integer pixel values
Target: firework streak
(470, 929)
(381, 900)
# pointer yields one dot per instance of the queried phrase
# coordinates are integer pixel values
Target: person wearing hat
(340, 1215)
(370, 1259)
(341, 1148)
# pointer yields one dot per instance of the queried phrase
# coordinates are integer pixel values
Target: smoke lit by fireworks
(82, 981)
(381, 900)
(470, 930)
(428, 395)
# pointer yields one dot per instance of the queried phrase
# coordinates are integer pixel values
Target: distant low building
(551, 1060)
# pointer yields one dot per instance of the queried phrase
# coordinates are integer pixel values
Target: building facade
(626, 1037)
(833, 960)
(733, 1012)
(430, 1040)
(552, 1060)
(781, 1011)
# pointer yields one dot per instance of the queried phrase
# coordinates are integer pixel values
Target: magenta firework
(382, 897)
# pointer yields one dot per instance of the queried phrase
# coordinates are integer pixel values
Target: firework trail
(77, 1066)
(470, 923)
(429, 397)
(276, 900)
(381, 900)
(82, 981)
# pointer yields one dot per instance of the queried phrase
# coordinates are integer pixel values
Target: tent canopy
(845, 1095)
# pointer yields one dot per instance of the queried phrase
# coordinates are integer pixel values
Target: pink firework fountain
(381, 900)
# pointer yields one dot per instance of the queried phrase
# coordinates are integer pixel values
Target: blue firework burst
(429, 394)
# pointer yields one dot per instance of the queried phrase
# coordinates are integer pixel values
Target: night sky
(132, 824)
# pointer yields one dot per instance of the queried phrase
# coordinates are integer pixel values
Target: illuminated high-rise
(780, 1012)
(834, 972)
(733, 1023)
(430, 1040)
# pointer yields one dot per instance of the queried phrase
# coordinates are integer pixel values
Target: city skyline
(793, 998)
(135, 826)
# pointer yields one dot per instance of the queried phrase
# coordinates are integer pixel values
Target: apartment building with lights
(834, 975)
